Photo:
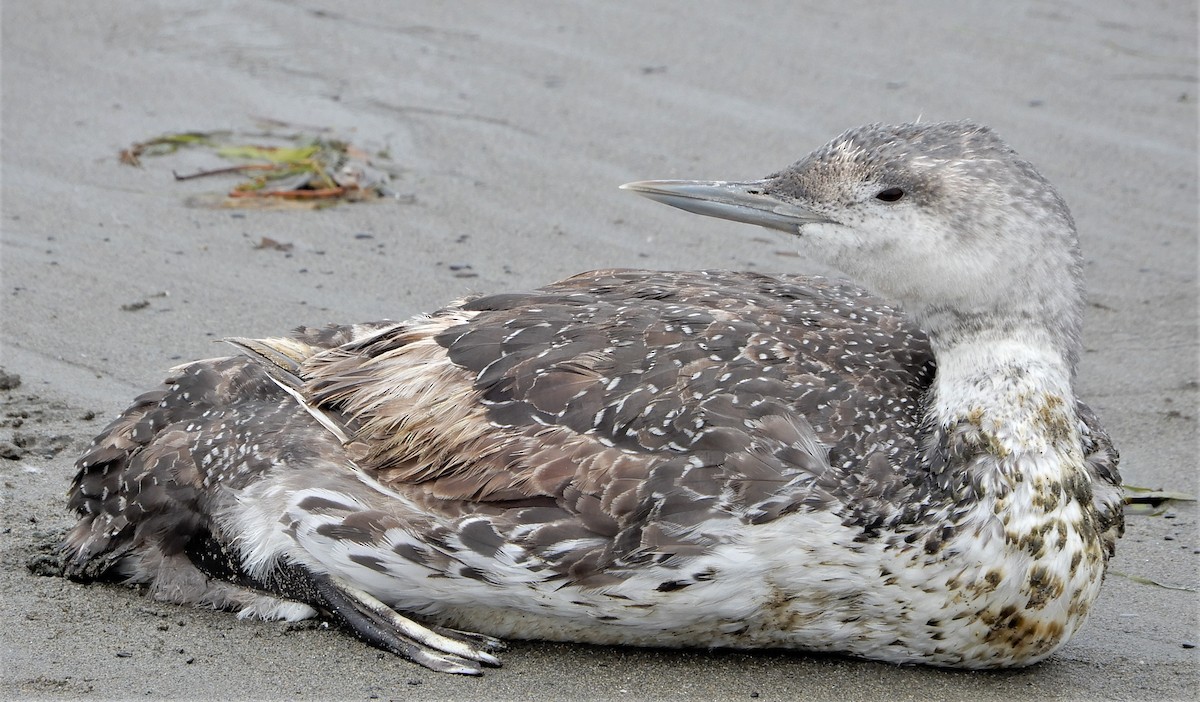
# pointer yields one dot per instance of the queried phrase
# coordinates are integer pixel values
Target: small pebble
(1188, 644)
(124, 654)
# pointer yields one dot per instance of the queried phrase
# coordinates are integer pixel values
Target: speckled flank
(705, 458)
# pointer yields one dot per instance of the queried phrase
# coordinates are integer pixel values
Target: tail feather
(148, 483)
(139, 481)
(102, 536)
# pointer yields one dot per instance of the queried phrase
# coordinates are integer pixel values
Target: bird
(892, 466)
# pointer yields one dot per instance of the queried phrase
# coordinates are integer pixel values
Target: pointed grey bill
(738, 201)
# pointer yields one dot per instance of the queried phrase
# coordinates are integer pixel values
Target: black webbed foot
(436, 648)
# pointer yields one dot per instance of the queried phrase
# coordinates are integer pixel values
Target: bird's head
(944, 217)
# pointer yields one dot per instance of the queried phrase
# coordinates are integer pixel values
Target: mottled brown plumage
(591, 395)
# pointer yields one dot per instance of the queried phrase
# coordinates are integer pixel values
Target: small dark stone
(416, 682)
(10, 450)
(124, 654)
(9, 381)
(1187, 644)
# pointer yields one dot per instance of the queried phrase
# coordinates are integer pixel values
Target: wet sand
(513, 126)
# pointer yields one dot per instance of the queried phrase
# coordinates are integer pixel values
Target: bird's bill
(737, 201)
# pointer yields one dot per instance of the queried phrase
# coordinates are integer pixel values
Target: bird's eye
(889, 195)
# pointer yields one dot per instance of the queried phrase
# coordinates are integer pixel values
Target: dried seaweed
(1143, 580)
(278, 170)
(167, 144)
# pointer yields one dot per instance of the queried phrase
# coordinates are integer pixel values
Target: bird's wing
(1102, 461)
(711, 390)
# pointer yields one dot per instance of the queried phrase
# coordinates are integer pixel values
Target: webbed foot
(436, 648)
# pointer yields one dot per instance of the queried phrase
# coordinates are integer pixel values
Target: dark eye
(889, 195)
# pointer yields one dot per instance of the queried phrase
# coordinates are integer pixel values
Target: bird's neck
(1014, 390)
(1007, 416)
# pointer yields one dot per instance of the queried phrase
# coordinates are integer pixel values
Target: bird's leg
(372, 621)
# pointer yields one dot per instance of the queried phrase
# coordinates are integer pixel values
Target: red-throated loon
(665, 458)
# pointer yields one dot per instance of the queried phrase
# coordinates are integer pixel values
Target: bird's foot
(436, 648)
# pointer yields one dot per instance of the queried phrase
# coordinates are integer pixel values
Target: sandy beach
(510, 126)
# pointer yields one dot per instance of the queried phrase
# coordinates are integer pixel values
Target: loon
(684, 459)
